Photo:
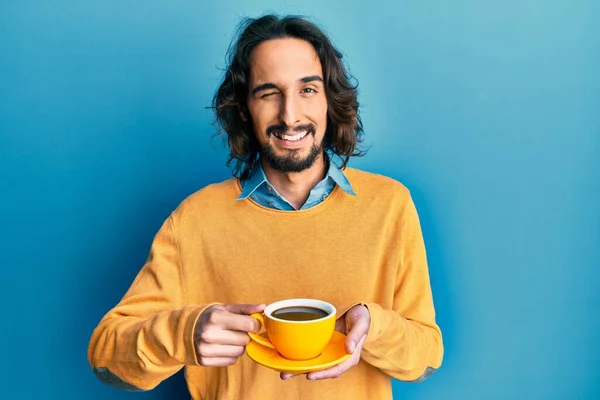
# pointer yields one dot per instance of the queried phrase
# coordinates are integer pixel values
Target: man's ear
(243, 112)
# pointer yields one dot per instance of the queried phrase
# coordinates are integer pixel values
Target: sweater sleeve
(405, 342)
(148, 336)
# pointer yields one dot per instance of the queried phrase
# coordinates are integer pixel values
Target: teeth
(293, 138)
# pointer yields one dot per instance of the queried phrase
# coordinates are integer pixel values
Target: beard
(292, 161)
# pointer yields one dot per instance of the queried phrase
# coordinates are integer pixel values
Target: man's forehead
(284, 60)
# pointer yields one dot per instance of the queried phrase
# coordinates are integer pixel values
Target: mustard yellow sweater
(213, 248)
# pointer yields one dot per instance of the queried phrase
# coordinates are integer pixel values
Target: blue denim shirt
(258, 188)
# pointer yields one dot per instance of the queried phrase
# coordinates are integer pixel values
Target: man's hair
(344, 126)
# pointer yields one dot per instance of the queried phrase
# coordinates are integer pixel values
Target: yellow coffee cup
(299, 329)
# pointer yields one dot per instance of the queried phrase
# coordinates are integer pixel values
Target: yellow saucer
(333, 354)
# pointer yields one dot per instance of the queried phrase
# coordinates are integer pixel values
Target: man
(294, 222)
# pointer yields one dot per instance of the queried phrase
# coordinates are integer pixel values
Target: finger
(217, 361)
(235, 322)
(353, 346)
(211, 350)
(334, 372)
(285, 376)
(245, 309)
(337, 370)
(358, 330)
(220, 336)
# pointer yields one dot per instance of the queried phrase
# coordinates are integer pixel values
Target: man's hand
(221, 334)
(355, 325)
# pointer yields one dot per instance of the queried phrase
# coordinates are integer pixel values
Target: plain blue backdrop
(489, 111)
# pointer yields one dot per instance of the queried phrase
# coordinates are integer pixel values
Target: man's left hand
(355, 324)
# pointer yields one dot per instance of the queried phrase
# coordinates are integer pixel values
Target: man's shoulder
(369, 182)
(214, 194)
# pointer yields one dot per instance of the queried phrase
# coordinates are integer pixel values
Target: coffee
(299, 313)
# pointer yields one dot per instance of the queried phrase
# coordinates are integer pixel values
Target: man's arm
(405, 342)
(149, 335)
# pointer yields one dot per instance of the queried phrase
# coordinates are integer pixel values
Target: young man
(294, 222)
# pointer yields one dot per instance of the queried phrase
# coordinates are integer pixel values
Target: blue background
(489, 111)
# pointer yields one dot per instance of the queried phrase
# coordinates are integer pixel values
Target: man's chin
(296, 160)
(287, 165)
(292, 163)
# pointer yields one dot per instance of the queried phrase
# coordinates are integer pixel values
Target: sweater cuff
(378, 323)
(191, 358)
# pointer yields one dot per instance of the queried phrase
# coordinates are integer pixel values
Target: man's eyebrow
(311, 78)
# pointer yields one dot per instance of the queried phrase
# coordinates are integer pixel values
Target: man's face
(287, 103)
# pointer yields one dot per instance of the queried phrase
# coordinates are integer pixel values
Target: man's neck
(296, 186)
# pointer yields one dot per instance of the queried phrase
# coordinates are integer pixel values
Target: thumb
(357, 333)
(245, 309)
(352, 346)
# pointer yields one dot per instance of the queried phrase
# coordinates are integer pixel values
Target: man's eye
(266, 95)
(309, 90)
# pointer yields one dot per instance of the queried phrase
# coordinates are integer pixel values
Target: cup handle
(258, 338)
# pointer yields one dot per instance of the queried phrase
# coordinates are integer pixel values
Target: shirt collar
(257, 177)
(340, 179)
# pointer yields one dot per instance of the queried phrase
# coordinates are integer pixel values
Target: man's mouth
(291, 138)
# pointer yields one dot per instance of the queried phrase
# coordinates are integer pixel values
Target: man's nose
(290, 112)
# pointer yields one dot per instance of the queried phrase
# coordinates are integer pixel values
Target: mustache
(283, 129)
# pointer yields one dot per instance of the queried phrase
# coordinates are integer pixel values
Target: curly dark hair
(344, 126)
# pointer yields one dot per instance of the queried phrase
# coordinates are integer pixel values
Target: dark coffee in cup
(299, 313)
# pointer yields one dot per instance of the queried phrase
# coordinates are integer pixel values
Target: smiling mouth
(291, 138)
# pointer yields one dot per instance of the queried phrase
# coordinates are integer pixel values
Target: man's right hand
(221, 334)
